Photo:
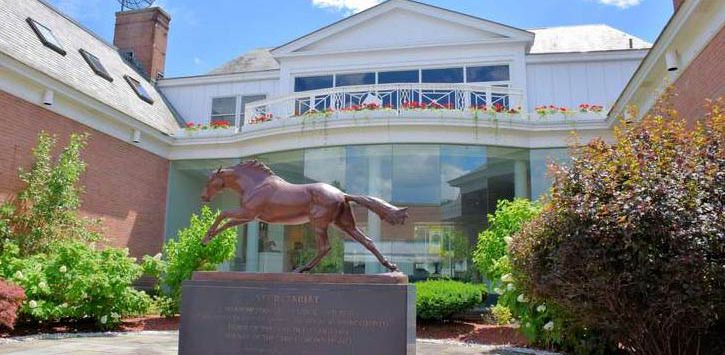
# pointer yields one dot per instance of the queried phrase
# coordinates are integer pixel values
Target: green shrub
(439, 299)
(75, 282)
(186, 254)
(490, 255)
(45, 211)
(44, 246)
(542, 324)
(332, 263)
(631, 242)
(502, 314)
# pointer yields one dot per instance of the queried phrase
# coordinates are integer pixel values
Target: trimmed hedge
(439, 299)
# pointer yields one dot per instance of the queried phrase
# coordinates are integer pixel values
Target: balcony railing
(354, 105)
(395, 99)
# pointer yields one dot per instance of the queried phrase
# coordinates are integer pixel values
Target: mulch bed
(471, 332)
(465, 331)
(128, 325)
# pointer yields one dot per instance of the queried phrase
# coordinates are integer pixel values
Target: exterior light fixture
(136, 136)
(672, 60)
(48, 97)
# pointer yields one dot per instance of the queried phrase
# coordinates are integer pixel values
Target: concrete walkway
(166, 342)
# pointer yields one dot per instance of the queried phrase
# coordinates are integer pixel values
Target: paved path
(165, 342)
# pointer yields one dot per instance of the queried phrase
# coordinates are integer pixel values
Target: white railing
(394, 99)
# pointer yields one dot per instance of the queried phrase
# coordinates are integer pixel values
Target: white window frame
(238, 109)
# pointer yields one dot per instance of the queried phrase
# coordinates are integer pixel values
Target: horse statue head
(215, 184)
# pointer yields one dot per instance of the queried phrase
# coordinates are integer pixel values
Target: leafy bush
(187, 254)
(45, 211)
(439, 299)
(631, 242)
(333, 261)
(44, 246)
(490, 255)
(11, 297)
(543, 325)
(76, 282)
(502, 314)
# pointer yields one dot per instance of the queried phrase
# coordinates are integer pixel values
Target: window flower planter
(213, 129)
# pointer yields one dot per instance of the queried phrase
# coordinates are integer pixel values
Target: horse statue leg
(346, 222)
(236, 217)
(323, 247)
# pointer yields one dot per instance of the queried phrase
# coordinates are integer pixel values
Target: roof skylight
(46, 36)
(95, 64)
(139, 89)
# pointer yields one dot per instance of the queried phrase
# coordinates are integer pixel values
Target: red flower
(498, 107)
(190, 125)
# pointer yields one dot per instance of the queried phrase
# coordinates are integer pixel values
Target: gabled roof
(560, 39)
(499, 30)
(584, 38)
(19, 42)
(259, 59)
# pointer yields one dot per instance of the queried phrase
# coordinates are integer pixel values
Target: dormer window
(95, 64)
(138, 88)
(46, 36)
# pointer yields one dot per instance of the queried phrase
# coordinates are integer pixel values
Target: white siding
(573, 83)
(193, 102)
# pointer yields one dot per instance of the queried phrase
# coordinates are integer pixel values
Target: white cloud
(348, 6)
(622, 4)
(198, 61)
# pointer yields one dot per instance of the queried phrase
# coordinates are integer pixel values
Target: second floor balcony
(480, 105)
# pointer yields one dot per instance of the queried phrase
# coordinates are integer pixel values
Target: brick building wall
(701, 80)
(124, 185)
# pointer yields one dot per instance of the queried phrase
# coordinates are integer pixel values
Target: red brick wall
(125, 185)
(701, 80)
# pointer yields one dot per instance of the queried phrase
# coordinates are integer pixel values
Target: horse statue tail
(386, 211)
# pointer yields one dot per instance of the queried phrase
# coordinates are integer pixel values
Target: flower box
(208, 132)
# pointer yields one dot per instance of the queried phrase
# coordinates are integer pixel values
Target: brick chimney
(677, 3)
(142, 35)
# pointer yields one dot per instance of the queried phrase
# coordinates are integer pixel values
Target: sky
(205, 34)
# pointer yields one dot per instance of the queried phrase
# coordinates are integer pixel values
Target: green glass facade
(449, 190)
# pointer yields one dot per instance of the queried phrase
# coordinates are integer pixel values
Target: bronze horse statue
(268, 198)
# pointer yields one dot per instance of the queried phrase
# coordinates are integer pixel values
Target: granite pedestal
(285, 313)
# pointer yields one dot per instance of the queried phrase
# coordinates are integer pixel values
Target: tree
(632, 241)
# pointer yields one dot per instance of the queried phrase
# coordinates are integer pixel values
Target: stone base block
(285, 313)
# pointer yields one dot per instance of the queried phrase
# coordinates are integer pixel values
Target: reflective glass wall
(449, 190)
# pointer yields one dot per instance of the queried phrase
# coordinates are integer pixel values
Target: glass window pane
(355, 79)
(487, 73)
(324, 165)
(46, 36)
(540, 158)
(405, 76)
(95, 64)
(447, 75)
(458, 161)
(224, 106)
(245, 101)
(368, 170)
(416, 174)
(288, 165)
(139, 89)
(313, 82)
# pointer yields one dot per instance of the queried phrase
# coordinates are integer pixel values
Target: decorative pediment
(401, 24)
